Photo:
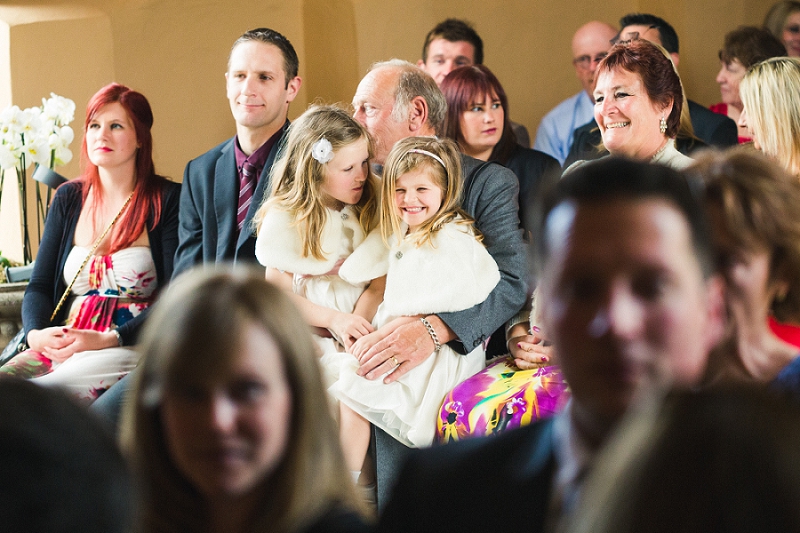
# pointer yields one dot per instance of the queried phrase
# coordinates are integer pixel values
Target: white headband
(429, 154)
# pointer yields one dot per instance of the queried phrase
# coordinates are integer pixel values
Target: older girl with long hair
(112, 233)
(322, 205)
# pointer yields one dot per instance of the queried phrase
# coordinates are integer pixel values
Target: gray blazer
(491, 199)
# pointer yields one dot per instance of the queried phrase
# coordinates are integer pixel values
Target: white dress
(110, 290)
(453, 273)
(278, 245)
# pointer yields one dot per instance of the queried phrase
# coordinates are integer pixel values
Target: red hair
(659, 78)
(146, 199)
(461, 88)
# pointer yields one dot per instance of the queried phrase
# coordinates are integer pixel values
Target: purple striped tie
(246, 189)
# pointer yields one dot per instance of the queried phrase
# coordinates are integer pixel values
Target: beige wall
(175, 52)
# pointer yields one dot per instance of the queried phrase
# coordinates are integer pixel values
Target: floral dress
(110, 290)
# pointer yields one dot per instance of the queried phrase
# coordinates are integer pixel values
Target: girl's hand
(79, 340)
(348, 328)
(530, 351)
(362, 345)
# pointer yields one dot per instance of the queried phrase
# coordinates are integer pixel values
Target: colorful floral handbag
(501, 397)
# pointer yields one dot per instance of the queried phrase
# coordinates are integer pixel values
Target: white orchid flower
(10, 121)
(59, 109)
(8, 159)
(37, 151)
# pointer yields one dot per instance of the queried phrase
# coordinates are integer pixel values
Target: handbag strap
(89, 255)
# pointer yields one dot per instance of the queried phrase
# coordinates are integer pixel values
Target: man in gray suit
(396, 100)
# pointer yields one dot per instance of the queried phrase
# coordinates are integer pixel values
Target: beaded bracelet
(432, 332)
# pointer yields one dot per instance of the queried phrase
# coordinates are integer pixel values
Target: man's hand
(402, 349)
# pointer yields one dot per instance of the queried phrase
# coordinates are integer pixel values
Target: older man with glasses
(589, 45)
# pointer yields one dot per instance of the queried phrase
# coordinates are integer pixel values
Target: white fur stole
(453, 273)
(278, 244)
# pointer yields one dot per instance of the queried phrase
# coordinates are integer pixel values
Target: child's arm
(344, 325)
(371, 298)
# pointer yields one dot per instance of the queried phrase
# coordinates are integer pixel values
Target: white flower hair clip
(322, 150)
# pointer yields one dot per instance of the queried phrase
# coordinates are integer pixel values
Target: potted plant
(39, 135)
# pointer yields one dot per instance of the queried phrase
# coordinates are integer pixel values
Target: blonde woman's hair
(297, 178)
(770, 93)
(408, 155)
(194, 334)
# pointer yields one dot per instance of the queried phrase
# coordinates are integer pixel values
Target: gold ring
(396, 362)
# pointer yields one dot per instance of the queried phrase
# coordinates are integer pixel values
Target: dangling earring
(780, 296)
(663, 125)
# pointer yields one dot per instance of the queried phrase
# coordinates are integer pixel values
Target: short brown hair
(455, 30)
(750, 45)
(759, 203)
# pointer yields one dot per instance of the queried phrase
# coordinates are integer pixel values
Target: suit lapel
(226, 190)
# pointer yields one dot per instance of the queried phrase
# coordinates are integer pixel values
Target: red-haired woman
(86, 347)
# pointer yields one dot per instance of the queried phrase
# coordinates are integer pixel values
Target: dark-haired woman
(477, 119)
(114, 232)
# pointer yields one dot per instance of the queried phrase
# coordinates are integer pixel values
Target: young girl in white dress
(322, 204)
(434, 262)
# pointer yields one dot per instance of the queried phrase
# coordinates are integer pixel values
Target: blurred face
(730, 74)
(589, 46)
(627, 305)
(111, 138)
(482, 126)
(228, 433)
(628, 120)
(750, 288)
(444, 56)
(373, 104)
(256, 86)
(742, 122)
(345, 174)
(791, 34)
(417, 197)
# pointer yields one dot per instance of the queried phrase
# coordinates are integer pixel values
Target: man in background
(590, 44)
(454, 43)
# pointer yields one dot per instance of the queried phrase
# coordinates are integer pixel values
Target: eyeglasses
(794, 29)
(585, 62)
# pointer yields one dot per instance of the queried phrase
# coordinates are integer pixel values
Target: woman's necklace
(658, 153)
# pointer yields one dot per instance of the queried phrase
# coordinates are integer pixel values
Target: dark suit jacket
(712, 128)
(484, 484)
(207, 232)
(535, 171)
(491, 199)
